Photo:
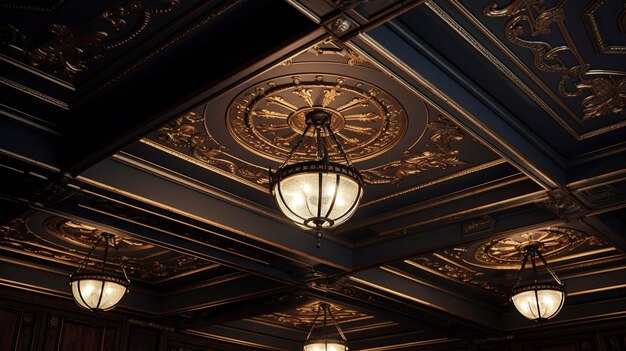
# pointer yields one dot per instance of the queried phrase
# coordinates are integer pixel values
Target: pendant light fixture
(537, 301)
(323, 342)
(320, 193)
(96, 286)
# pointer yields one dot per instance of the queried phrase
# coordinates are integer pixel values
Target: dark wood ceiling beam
(174, 78)
(429, 296)
(140, 185)
(421, 69)
(424, 242)
(166, 240)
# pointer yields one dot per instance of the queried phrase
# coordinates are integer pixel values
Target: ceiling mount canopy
(536, 300)
(320, 193)
(323, 342)
(95, 285)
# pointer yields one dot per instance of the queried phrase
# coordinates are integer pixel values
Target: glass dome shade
(325, 345)
(539, 301)
(97, 292)
(318, 195)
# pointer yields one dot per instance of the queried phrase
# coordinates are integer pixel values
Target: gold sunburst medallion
(509, 250)
(269, 117)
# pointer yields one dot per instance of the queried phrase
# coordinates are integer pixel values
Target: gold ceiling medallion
(269, 117)
(187, 132)
(441, 155)
(604, 92)
(304, 316)
(510, 250)
(85, 236)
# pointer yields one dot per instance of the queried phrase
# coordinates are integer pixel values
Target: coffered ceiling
(478, 126)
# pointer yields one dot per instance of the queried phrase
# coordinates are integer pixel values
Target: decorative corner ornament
(479, 225)
(340, 26)
(563, 204)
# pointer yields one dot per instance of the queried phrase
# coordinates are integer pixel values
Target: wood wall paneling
(9, 327)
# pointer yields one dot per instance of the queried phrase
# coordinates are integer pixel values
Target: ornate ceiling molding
(67, 242)
(69, 51)
(186, 132)
(269, 117)
(442, 155)
(595, 32)
(603, 92)
(510, 250)
(303, 316)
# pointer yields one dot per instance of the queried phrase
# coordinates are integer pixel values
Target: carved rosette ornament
(510, 250)
(269, 117)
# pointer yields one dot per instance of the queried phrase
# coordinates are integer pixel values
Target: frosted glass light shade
(314, 196)
(540, 301)
(98, 292)
(329, 345)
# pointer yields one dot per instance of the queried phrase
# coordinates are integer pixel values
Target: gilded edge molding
(446, 178)
(595, 33)
(602, 91)
(34, 93)
(498, 64)
(17, 5)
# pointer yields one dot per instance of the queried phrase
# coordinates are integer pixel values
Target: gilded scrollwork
(269, 117)
(332, 46)
(442, 156)
(85, 236)
(184, 132)
(67, 51)
(604, 93)
(457, 273)
(303, 316)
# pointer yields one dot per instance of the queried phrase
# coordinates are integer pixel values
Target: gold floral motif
(183, 133)
(454, 272)
(85, 236)
(510, 250)
(412, 162)
(605, 91)
(332, 46)
(269, 117)
(304, 316)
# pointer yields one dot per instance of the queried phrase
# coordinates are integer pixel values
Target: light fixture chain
(341, 150)
(83, 264)
(306, 130)
(521, 270)
(554, 276)
(120, 261)
(317, 315)
(332, 317)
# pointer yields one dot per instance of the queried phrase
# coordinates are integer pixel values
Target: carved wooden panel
(142, 339)
(78, 336)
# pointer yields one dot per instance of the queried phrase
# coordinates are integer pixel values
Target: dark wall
(34, 322)
(31, 321)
